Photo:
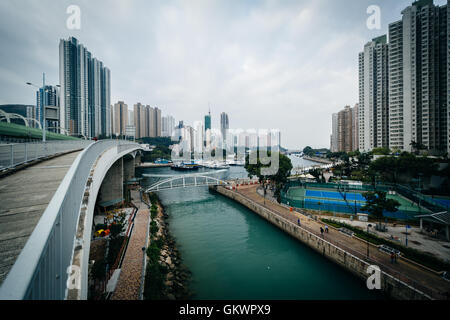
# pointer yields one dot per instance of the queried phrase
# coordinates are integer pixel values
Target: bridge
(49, 192)
(185, 181)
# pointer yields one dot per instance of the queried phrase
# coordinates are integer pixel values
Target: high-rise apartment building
(373, 95)
(344, 137)
(168, 126)
(85, 91)
(419, 49)
(334, 133)
(50, 96)
(157, 122)
(355, 128)
(345, 130)
(208, 121)
(149, 122)
(120, 118)
(139, 120)
(224, 124)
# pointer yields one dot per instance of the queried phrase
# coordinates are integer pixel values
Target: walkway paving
(416, 239)
(24, 197)
(129, 284)
(421, 279)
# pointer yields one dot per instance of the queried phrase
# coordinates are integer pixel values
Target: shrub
(100, 226)
(116, 229)
(154, 282)
(153, 252)
(153, 228)
(98, 270)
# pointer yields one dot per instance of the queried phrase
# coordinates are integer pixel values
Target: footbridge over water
(46, 214)
(170, 182)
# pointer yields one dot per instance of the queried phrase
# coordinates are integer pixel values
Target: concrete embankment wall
(391, 286)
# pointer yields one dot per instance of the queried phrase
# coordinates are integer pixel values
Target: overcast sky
(281, 64)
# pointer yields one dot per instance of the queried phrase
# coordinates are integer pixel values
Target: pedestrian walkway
(132, 271)
(25, 195)
(419, 278)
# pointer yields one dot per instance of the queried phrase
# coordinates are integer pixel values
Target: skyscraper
(334, 133)
(224, 125)
(149, 122)
(49, 94)
(120, 118)
(208, 121)
(168, 126)
(345, 131)
(157, 122)
(139, 120)
(85, 90)
(355, 127)
(419, 78)
(373, 95)
(344, 137)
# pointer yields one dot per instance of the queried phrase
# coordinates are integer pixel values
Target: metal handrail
(12, 155)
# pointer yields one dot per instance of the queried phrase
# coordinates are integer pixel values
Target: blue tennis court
(444, 202)
(334, 195)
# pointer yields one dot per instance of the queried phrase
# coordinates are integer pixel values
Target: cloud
(268, 64)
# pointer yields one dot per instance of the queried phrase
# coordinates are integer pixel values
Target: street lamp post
(368, 226)
(44, 138)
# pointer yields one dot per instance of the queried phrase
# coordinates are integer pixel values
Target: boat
(216, 165)
(185, 166)
(162, 161)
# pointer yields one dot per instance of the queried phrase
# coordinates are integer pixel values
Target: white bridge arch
(185, 181)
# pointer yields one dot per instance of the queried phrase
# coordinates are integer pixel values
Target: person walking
(392, 257)
(326, 229)
(321, 231)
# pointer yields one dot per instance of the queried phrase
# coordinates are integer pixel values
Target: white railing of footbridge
(185, 181)
(12, 155)
(41, 270)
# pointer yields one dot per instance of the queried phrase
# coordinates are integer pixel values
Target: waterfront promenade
(130, 283)
(422, 279)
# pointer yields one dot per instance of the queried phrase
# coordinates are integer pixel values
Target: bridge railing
(41, 270)
(15, 154)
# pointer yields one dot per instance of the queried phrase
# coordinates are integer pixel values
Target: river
(234, 254)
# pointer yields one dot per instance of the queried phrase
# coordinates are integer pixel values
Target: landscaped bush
(116, 229)
(409, 253)
(98, 270)
(101, 226)
(153, 228)
(114, 248)
(154, 282)
(153, 252)
(153, 211)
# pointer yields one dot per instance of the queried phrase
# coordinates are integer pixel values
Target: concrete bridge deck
(24, 195)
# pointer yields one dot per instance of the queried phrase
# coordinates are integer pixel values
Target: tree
(417, 146)
(278, 177)
(381, 151)
(407, 164)
(377, 203)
